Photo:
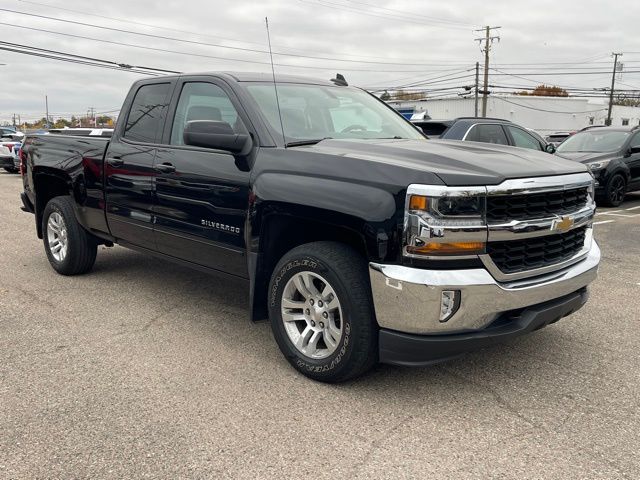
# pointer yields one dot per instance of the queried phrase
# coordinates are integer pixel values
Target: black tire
(11, 169)
(615, 190)
(81, 246)
(346, 272)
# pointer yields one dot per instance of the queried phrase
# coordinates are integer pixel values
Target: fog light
(449, 304)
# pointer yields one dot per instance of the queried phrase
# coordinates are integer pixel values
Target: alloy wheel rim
(312, 315)
(617, 190)
(57, 236)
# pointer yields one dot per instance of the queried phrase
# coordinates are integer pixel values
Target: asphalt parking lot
(142, 369)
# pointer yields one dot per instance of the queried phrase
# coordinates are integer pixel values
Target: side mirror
(214, 134)
(550, 148)
(634, 149)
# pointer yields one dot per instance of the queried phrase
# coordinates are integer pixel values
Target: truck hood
(454, 162)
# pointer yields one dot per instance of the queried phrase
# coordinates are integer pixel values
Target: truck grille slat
(519, 255)
(502, 208)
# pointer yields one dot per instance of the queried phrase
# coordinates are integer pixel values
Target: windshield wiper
(300, 143)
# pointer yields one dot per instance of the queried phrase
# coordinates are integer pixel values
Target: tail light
(22, 161)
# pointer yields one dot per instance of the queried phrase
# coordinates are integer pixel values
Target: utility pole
(14, 120)
(477, 87)
(46, 103)
(488, 41)
(613, 85)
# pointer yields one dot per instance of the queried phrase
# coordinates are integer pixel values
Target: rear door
(129, 173)
(523, 139)
(202, 194)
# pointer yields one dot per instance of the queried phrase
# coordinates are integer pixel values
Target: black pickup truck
(360, 239)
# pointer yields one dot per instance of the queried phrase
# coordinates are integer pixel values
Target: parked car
(6, 158)
(613, 156)
(487, 130)
(358, 237)
(557, 138)
(10, 132)
(9, 159)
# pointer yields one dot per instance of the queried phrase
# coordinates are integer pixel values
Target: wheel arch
(48, 183)
(284, 229)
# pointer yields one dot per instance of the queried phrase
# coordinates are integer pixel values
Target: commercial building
(543, 114)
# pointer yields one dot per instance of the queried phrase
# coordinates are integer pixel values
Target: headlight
(442, 221)
(598, 165)
(449, 207)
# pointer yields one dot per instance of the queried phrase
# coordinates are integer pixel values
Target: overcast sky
(385, 43)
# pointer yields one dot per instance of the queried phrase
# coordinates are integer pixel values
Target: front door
(633, 162)
(202, 194)
(129, 172)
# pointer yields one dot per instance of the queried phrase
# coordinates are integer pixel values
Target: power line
(162, 27)
(386, 16)
(194, 42)
(544, 110)
(420, 82)
(414, 14)
(71, 55)
(77, 59)
(564, 73)
(455, 70)
(230, 59)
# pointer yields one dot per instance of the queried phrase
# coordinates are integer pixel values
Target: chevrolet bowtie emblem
(563, 224)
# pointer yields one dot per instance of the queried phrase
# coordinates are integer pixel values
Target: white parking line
(633, 208)
(625, 216)
(609, 213)
(604, 221)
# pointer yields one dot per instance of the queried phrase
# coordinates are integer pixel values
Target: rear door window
(487, 133)
(432, 129)
(147, 114)
(523, 139)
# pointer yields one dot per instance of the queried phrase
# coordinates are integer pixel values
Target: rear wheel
(11, 169)
(321, 311)
(615, 190)
(70, 249)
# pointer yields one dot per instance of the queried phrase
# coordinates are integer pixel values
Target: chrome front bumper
(408, 299)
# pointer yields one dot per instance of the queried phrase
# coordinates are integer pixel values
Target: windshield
(314, 112)
(600, 141)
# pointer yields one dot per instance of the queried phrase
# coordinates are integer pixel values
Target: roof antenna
(275, 86)
(340, 80)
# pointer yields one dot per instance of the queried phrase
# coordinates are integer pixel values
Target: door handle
(165, 167)
(115, 161)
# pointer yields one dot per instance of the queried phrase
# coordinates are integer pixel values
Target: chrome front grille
(538, 225)
(502, 208)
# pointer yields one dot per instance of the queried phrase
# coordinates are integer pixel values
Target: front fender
(369, 211)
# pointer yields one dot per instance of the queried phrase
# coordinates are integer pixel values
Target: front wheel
(11, 169)
(615, 190)
(70, 249)
(321, 311)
